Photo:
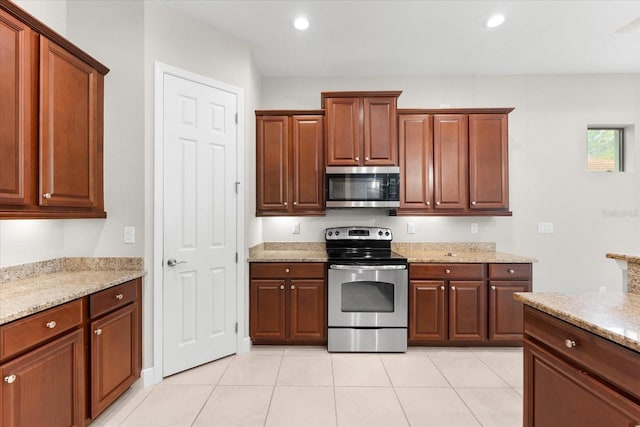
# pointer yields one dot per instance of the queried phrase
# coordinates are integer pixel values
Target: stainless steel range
(367, 291)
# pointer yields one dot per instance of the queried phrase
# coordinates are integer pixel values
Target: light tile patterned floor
(307, 386)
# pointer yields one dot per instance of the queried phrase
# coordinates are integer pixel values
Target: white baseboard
(245, 346)
(147, 376)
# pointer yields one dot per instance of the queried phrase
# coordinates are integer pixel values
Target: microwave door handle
(367, 267)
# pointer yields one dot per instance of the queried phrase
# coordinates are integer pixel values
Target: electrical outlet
(295, 228)
(545, 227)
(129, 235)
(474, 227)
(411, 228)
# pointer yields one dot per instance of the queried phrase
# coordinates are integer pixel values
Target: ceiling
(390, 38)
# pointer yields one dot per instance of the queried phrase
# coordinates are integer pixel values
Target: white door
(199, 253)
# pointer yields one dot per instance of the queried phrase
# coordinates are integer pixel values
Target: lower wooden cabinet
(288, 303)
(43, 377)
(451, 303)
(115, 344)
(580, 385)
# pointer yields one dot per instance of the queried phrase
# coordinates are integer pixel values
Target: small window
(605, 148)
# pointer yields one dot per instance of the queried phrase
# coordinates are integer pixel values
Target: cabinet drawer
(510, 271)
(114, 297)
(33, 330)
(447, 271)
(603, 359)
(280, 270)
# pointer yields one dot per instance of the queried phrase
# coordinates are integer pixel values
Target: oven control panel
(358, 233)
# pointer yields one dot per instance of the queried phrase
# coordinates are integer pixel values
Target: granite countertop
(25, 290)
(614, 316)
(459, 252)
(623, 257)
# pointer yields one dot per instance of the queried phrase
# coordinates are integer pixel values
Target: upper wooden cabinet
(361, 128)
(289, 163)
(454, 162)
(52, 123)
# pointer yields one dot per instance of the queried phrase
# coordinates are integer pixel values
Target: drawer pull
(447, 271)
(511, 271)
(569, 343)
(9, 379)
(292, 287)
(46, 195)
(51, 324)
(281, 286)
(119, 296)
(98, 331)
(286, 270)
(493, 287)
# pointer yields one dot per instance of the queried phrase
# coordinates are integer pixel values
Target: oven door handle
(367, 267)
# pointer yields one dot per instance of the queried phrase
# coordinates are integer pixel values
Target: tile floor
(306, 387)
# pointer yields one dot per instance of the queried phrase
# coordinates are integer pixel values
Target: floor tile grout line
(395, 392)
(153, 388)
(203, 405)
(273, 390)
(335, 398)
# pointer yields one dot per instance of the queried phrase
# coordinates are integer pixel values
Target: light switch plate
(295, 228)
(545, 227)
(411, 228)
(129, 234)
(474, 227)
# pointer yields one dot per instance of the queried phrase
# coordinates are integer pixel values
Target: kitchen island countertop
(614, 316)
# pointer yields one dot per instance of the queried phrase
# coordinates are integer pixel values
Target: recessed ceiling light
(495, 21)
(301, 23)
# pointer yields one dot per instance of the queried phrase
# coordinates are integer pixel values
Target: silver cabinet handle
(292, 287)
(98, 331)
(119, 296)
(493, 287)
(295, 203)
(453, 288)
(447, 271)
(358, 158)
(51, 324)
(366, 158)
(9, 379)
(511, 271)
(428, 203)
(47, 195)
(285, 203)
(569, 343)
(286, 270)
(473, 203)
(437, 203)
(281, 286)
(442, 288)
(172, 262)
(367, 267)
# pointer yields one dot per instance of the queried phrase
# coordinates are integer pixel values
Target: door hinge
(237, 186)
(236, 118)
(236, 327)
(236, 257)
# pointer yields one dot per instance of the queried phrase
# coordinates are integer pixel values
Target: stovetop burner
(361, 245)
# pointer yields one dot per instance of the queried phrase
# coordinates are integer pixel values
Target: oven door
(372, 296)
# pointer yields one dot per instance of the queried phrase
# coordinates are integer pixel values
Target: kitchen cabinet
(505, 313)
(288, 303)
(290, 163)
(447, 302)
(361, 128)
(115, 342)
(453, 162)
(42, 364)
(53, 135)
(574, 377)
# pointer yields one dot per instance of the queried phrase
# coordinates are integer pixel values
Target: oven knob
(330, 233)
(337, 232)
(386, 233)
(380, 233)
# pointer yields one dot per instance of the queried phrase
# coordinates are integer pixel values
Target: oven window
(367, 297)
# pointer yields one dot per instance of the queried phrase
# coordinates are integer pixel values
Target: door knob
(172, 262)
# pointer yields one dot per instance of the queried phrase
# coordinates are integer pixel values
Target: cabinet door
(505, 313)
(45, 387)
(308, 163)
(115, 347)
(307, 310)
(380, 134)
(344, 131)
(272, 163)
(427, 310)
(416, 162)
(450, 160)
(70, 130)
(467, 310)
(18, 105)
(557, 394)
(488, 161)
(267, 311)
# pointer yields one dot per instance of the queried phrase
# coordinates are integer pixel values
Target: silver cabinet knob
(493, 287)
(172, 262)
(281, 286)
(442, 288)
(473, 203)
(366, 158)
(51, 324)
(285, 203)
(119, 296)
(47, 195)
(437, 203)
(357, 158)
(569, 343)
(428, 203)
(292, 287)
(98, 331)
(453, 288)
(511, 271)
(447, 271)
(295, 203)
(9, 379)
(286, 270)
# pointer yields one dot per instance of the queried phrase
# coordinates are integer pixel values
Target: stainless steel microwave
(363, 187)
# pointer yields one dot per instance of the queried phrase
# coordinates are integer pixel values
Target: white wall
(548, 177)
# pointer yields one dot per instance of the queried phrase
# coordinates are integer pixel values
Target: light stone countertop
(457, 252)
(73, 279)
(622, 257)
(614, 316)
